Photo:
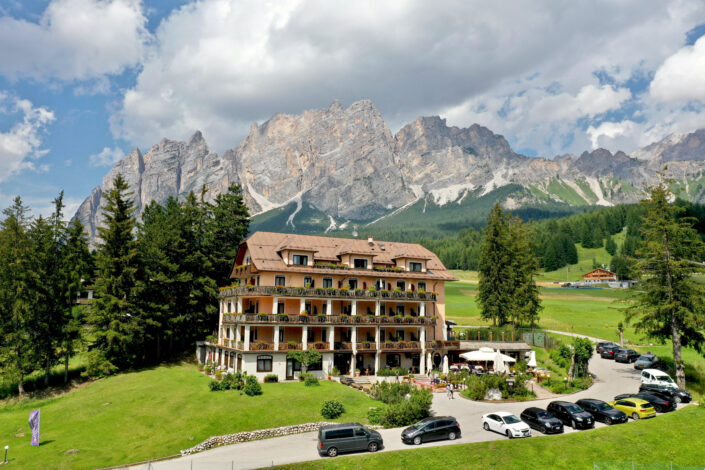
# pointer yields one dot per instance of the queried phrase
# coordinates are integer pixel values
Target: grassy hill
(155, 413)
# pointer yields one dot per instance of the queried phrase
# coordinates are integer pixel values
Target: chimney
(370, 240)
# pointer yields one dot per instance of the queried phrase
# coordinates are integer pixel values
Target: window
(264, 363)
(310, 335)
(422, 286)
(323, 334)
(339, 433)
(247, 260)
(393, 360)
(352, 283)
(360, 263)
(381, 285)
(253, 336)
(316, 366)
(230, 307)
(279, 281)
(280, 307)
(308, 281)
(416, 267)
(360, 432)
(401, 285)
(301, 260)
(400, 310)
(281, 334)
(324, 308)
(327, 282)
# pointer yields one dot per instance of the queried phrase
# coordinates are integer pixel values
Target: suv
(608, 352)
(348, 437)
(601, 411)
(676, 394)
(431, 429)
(571, 414)
(603, 344)
(541, 420)
(626, 355)
(646, 361)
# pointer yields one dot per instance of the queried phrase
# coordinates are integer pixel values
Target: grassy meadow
(155, 413)
(643, 442)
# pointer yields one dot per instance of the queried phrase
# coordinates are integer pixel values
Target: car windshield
(664, 378)
(645, 357)
(511, 419)
(544, 415)
(646, 405)
(419, 424)
(573, 408)
(603, 406)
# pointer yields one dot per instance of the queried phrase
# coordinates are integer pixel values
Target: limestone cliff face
(345, 163)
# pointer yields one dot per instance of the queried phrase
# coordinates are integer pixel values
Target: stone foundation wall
(246, 436)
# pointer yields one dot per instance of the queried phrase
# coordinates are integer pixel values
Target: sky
(83, 82)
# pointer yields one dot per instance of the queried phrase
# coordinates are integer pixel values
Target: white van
(655, 376)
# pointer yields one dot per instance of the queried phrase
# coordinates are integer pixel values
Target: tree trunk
(677, 356)
(47, 371)
(20, 386)
(572, 367)
(66, 368)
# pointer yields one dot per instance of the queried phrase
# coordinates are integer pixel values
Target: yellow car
(635, 407)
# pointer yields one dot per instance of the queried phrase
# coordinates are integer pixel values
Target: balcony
(262, 346)
(320, 292)
(366, 346)
(262, 318)
(342, 346)
(442, 344)
(400, 345)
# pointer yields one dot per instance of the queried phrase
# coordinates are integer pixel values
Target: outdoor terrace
(321, 292)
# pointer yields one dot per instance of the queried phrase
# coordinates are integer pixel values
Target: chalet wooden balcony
(400, 345)
(438, 344)
(320, 292)
(262, 346)
(366, 346)
(344, 320)
(342, 346)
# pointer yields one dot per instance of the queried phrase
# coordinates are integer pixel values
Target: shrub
(476, 389)
(374, 415)
(271, 378)
(335, 371)
(252, 387)
(216, 385)
(309, 379)
(98, 366)
(218, 375)
(331, 409)
(385, 372)
(521, 366)
(409, 411)
(390, 392)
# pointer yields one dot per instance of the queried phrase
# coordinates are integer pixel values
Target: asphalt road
(612, 378)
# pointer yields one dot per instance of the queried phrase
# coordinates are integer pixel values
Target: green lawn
(643, 442)
(155, 413)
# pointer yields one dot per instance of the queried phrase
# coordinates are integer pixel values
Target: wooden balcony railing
(366, 345)
(262, 346)
(400, 345)
(329, 319)
(442, 344)
(343, 346)
(277, 291)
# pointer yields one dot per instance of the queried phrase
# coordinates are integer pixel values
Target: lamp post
(5, 459)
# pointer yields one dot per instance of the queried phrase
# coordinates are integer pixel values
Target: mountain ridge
(345, 166)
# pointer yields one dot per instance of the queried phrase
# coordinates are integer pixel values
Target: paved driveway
(612, 378)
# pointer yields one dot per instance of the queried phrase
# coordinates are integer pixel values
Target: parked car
(571, 414)
(603, 344)
(646, 361)
(608, 352)
(542, 420)
(334, 439)
(657, 377)
(660, 403)
(505, 423)
(602, 412)
(626, 355)
(431, 429)
(635, 407)
(678, 395)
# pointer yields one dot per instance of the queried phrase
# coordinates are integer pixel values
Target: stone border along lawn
(643, 442)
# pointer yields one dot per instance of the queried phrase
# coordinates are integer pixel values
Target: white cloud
(74, 39)
(20, 145)
(609, 132)
(218, 65)
(682, 76)
(106, 157)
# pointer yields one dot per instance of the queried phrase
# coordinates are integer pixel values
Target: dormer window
(415, 267)
(300, 260)
(360, 263)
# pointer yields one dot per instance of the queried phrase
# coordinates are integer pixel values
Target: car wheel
(574, 424)
(417, 440)
(372, 447)
(332, 452)
(452, 436)
(486, 426)
(677, 400)
(543, 429)
(509, 434)
(635, 416)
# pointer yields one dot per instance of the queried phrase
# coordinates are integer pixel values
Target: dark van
(347, 437)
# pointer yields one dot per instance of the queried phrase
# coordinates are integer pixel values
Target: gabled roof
(600, 270)
(264, 250)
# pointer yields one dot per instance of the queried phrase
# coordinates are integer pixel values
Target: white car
(655, 376)
(505, 423)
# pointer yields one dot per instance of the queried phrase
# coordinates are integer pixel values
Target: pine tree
(525, 265)
(229, 225)
(610, 246)
(494, 293)
(668, 303)
(117, 327)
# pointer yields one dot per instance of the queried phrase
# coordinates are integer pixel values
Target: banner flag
(34, 426)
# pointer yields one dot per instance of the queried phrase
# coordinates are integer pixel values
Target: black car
(626, 355)
(431, 429)
(571, 414)
(660, 403)
(603, 412)
(542, 420)
(603, 344)
(608, 352)
(678, 395)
